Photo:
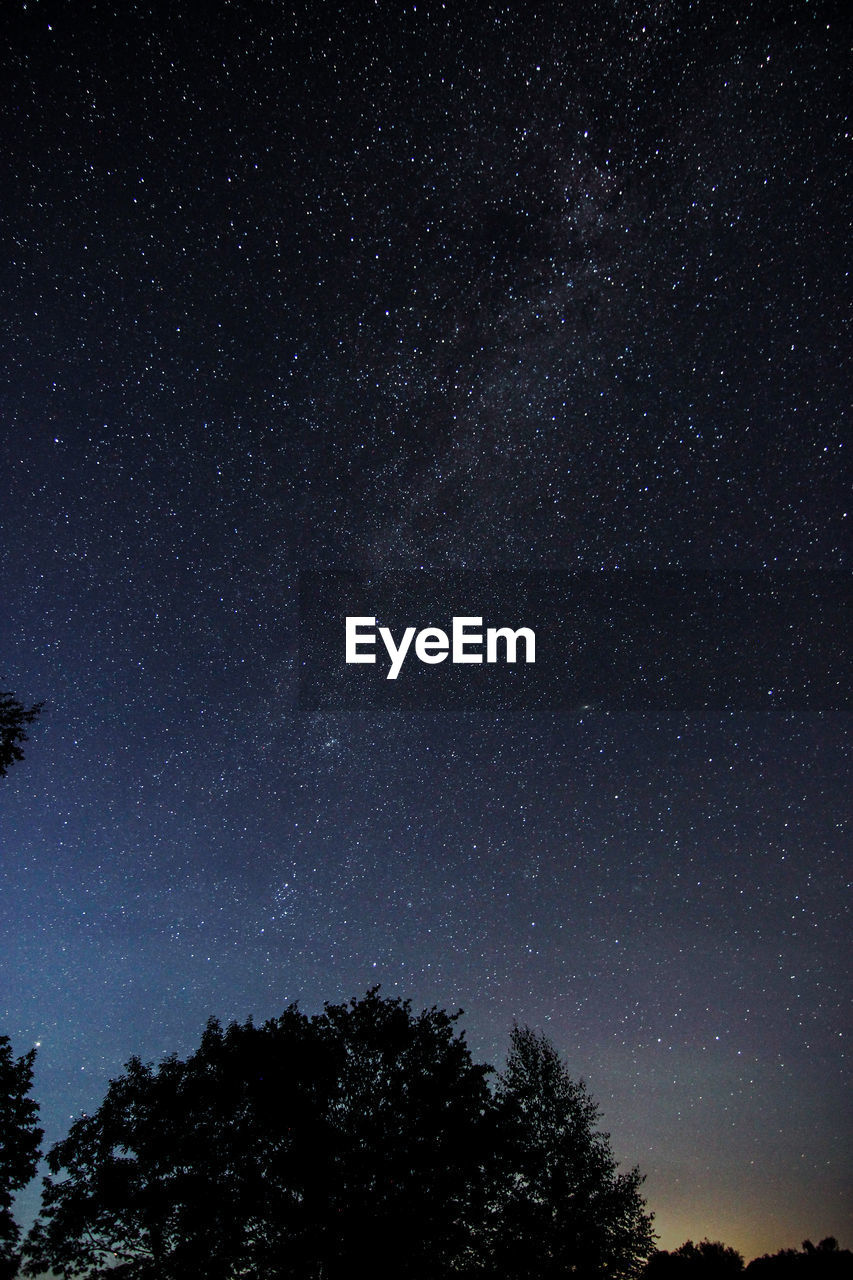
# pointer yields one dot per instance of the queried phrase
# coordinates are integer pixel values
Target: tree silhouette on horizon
(564, 1207)
(20, 1146)
(20, 1137)
(707, 1260)
(362, 1140)
(712, 1260)
(823, 1261)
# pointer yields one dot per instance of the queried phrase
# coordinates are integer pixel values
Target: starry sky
(470, 288)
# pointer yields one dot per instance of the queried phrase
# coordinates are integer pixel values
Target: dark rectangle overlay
(615, 642)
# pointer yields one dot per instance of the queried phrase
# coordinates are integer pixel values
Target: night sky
(463, 287)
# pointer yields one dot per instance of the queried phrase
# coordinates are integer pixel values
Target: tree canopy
(823, 1261)
(363, 1140)
(14, 720)
(20, 1140)
(707, 1260)
(562, 1207)
(711, 1260)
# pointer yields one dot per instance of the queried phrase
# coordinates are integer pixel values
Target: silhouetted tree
(306, 1147)
(708, 1260)
(20, 1140)
(361, 1141)
(412, 1117)
(560, 1205)
(824, 1261)
(14, 719)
